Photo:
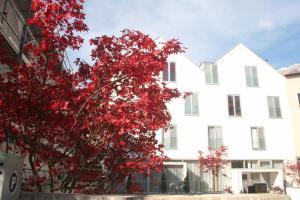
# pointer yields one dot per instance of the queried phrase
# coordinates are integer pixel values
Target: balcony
(11, 26)
(13, 14)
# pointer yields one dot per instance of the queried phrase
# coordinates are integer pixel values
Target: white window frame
(170, 147)
(234, 105)
(261, 147)
(251, 75)
(215, 128)
(192, 113)
(211, 80)
(169, 72)
(276, 115)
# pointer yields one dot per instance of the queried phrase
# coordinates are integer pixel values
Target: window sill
(213, 84)
(263, 149)
(170, 81)
(234, 116)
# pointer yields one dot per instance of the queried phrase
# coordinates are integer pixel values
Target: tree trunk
(214, 183)
(34, 173)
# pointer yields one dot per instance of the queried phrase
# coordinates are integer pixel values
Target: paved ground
(45, 196)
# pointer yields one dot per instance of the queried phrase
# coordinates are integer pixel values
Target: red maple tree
(213, 163)
(89, 129)
(293, 171)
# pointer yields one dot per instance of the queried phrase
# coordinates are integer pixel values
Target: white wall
(213, 108)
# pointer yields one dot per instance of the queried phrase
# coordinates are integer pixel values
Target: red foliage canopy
(89, 129)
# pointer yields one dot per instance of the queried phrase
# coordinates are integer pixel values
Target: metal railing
(11, 25)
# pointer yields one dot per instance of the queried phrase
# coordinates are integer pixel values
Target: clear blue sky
(207, 28)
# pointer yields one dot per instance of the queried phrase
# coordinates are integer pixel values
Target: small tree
(214, 163)
(186, 183)
(163, 183)
(293, 171)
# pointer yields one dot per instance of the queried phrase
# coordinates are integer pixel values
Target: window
(274, 107)
(251, 76)
(169, 73)
(169, 138)
(265, 164)
(237, 164)
(215, 137)
(258, 138)
(191, 104)
(211, 74)
(277, 164)
(251, 164)
(234, 106)
(299, 99)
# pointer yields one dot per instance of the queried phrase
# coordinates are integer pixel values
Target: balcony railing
(11, 26)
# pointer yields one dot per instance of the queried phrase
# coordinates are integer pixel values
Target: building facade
(292, 75)
(239, 101)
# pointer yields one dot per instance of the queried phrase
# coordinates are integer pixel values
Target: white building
(239, 101)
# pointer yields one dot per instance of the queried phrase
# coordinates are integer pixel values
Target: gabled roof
(250, 51)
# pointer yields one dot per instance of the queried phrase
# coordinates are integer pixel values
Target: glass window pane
(254, 77)
(195, 104)
(166, 73)
(215, 74)
(271, 107)
(208, 77)
(172, 71)
(230, 105)
(173, 137)
(255, 139)
(211, 138)
(261, 138)
(166, 139)
(248, 76)
(277, 107)
(188, 102)
(237, 106)
(219, 137)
